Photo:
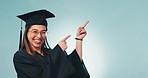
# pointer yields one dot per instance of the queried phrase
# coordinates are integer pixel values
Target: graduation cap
(34, 18)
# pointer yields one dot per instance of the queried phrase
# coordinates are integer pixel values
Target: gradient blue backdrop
(116, 45)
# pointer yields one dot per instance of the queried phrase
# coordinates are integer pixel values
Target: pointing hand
(63, 43)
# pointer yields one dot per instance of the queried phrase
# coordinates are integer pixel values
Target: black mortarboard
(35, 18)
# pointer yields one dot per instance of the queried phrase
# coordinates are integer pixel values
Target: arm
(61, 66)
(76, 56)
(79, 48)
(81, 33)
(79, 65)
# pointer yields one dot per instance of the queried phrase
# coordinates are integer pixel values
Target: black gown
(54, 64)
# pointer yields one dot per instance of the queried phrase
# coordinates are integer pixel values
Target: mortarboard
(34, 18)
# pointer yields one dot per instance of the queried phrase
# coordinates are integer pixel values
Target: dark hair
(26, 45)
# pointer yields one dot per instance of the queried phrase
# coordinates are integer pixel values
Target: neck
(37, 49)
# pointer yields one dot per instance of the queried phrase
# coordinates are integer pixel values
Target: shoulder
(23, 56)
(56, 49)
(47, 51)
(19, 53)
(22, 53)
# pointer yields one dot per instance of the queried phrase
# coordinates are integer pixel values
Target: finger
(79, 29)
(85, 24)
(65, 42)
(83, 32)
(66, 37)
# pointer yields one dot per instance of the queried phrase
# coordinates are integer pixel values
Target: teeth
(37, 41)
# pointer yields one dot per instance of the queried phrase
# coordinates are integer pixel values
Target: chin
(37, 45)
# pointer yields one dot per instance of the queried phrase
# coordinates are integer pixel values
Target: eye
(34, 31)
(43, 32)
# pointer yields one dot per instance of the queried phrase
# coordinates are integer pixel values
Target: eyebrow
(37, 30)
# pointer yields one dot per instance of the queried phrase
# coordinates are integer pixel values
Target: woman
(35, 59)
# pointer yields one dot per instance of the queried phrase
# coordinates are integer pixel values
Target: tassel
(20, 43)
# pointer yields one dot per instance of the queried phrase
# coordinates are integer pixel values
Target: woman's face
(36, 35)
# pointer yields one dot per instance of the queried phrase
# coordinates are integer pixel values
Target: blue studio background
(116, 45)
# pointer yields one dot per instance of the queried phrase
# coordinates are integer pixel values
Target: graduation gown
(54, 64)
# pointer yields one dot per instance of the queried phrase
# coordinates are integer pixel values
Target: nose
(39, 35)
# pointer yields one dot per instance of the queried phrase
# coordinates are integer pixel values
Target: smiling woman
(36, 36)
(35, 58)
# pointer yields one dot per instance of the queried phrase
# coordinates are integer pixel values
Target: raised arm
(80, 34)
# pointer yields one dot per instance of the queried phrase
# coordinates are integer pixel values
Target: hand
(63, 43)
(81, 32)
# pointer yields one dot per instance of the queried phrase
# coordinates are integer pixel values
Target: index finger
(85, 24)
(66, 37)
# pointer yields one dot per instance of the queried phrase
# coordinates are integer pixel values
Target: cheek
(43, 39)
(30, 38)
